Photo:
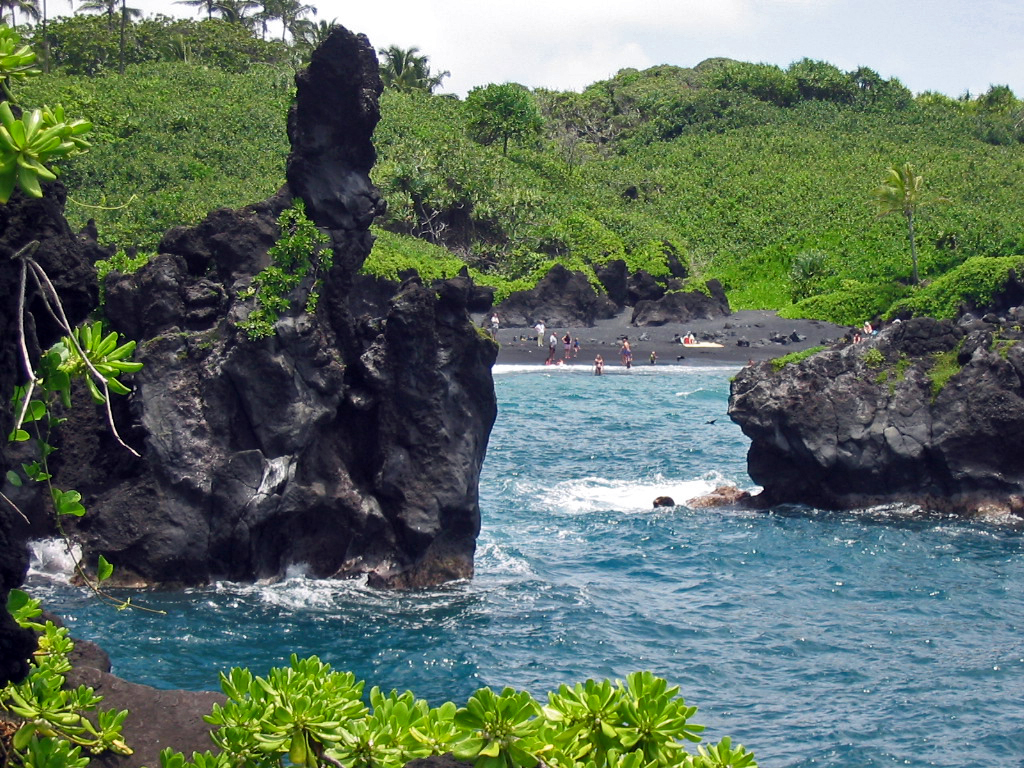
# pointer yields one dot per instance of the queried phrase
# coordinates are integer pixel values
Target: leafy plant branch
(84, 353)
(52, 723)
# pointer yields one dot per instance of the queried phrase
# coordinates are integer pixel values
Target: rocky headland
(348, 442)
(927, 413)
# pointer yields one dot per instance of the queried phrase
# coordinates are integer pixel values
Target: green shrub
(119, 262)
(299, 253)
(851, 305)
(943, 368)
(974, 283)
(873, 358)
(778, 363)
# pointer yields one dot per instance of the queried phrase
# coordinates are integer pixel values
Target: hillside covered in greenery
(761, 177)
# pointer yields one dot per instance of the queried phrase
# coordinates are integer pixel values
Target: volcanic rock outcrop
(927, 412)
(563, 298)
(68, 260)
(347, 443)
(682, 306)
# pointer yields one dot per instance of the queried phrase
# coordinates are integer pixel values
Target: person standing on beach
(626, 353)
(575, 346)
(566, 345)
(539, 328)
(552, 345)
(495, 322)
(598, 365)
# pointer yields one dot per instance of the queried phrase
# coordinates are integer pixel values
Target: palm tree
(406, 70)
(109, 7)
(290, 11)
(903, 192)
(28, 7)
(236, 11)
(208, 5)
(311, 34)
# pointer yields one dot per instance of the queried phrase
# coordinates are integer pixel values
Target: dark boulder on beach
(926, 412)
(561, 299)
(643, 286)
(348, 442)
(683, 306)
(614, 276)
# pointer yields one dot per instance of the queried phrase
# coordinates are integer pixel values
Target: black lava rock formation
(561, 299)
(67, 259)
(927, 412)
(349, 442)
(682, 306)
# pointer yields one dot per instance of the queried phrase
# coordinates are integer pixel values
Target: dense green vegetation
(765, 178)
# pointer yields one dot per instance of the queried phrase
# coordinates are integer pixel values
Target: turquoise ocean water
(878, 637)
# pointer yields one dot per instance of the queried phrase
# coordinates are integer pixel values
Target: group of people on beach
(570, 344)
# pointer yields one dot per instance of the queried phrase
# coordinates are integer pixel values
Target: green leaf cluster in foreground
(307, 714)
(310, 715)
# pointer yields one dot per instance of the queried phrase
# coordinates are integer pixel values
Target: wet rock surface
(926, 412)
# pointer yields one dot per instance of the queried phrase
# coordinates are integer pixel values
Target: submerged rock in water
(927, 412)
(346, 443)
(722, 496)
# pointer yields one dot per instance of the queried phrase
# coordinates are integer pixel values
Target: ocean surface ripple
(876, 637)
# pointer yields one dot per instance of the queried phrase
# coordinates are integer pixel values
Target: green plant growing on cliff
(873, 358)
(121, 262)
(300, 253)
(31, 141)
(53, 722)
(944, 367)
(83, 354)
(778, 363)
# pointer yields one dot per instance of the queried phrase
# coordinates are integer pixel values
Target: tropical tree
(288, 11)
(28, 7)
(110, 7)
(903, 192)
(236, 11)
(502, 113)
(407, 70)
(311, 34)
(208, 5)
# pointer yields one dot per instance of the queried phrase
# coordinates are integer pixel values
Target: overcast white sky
(950, 46)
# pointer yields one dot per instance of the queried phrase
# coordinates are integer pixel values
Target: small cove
(870, 638)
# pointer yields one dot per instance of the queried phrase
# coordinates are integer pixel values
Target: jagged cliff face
(68, 260)
(346, 442)
(867, 423)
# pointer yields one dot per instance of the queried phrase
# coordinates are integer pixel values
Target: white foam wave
(50, 559)
(502, 559)
(615, 370)
(594, 494)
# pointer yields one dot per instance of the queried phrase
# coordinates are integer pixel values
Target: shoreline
(518, 346)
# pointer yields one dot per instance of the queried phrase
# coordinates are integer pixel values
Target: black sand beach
(519, 346)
